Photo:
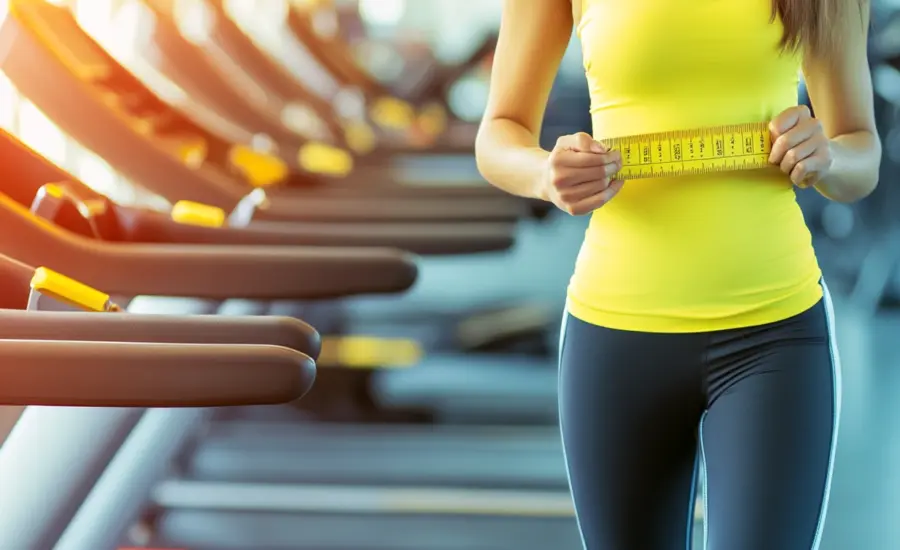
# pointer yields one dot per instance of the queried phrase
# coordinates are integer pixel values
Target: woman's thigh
(630, 404)
(768, 436)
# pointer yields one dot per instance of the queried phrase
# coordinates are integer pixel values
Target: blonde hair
(812, 25)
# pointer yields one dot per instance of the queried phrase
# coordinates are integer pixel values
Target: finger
(582, 191)
(805, 172)
(790, 139)
(788, 119)
(596, 201)
(581, 142)
(605, 172)
(799, 153)
(578, 159)
(568, 179)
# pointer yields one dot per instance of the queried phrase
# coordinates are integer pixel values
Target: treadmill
(359, 100)
(521, 389)
(155, 440)
(155, 434)
(81, 107)
(202, 65)
(58, 66)
(241, 275)
(426, 93)
(166, 431)
(237, 62)
(49, 18)
(150, 163)
(175, 439)
(56, 341)
(36, 241)
(228, 47)
(124, 224)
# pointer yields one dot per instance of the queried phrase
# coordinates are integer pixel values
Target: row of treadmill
(195, 376)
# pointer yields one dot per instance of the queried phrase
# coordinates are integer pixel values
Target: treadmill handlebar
(171, 329)
(210, 272)
(369, 209)
(116, 374)
(265, 273)
(147, 226)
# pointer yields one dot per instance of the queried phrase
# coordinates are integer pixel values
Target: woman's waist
(669, 277)
(712, 265)
(657, 235)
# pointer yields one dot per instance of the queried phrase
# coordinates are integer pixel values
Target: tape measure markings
(693, 152)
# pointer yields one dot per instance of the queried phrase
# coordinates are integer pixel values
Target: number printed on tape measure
(692, 152)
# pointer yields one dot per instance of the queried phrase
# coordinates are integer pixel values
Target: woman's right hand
(580, 174)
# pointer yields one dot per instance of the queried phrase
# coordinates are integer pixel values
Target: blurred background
(488, 489)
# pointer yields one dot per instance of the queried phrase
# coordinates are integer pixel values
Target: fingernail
(597, 147)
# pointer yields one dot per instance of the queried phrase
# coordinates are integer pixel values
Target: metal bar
(48, 465)
(260, 497)
(125, 487)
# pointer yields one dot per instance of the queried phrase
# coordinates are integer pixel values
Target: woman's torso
(691, 253)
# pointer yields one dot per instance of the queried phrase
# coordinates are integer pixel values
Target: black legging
(765, 401)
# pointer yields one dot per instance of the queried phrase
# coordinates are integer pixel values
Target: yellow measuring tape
(693, 152)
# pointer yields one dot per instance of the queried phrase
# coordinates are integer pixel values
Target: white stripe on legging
(705, 483)
(836, 380)
(692, 504)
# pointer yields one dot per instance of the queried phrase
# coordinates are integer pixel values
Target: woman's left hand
(800, 147)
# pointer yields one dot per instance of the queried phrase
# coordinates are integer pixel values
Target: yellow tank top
(690, 254)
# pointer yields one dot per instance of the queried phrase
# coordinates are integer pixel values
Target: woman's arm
(840, 88)
(533, 37)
